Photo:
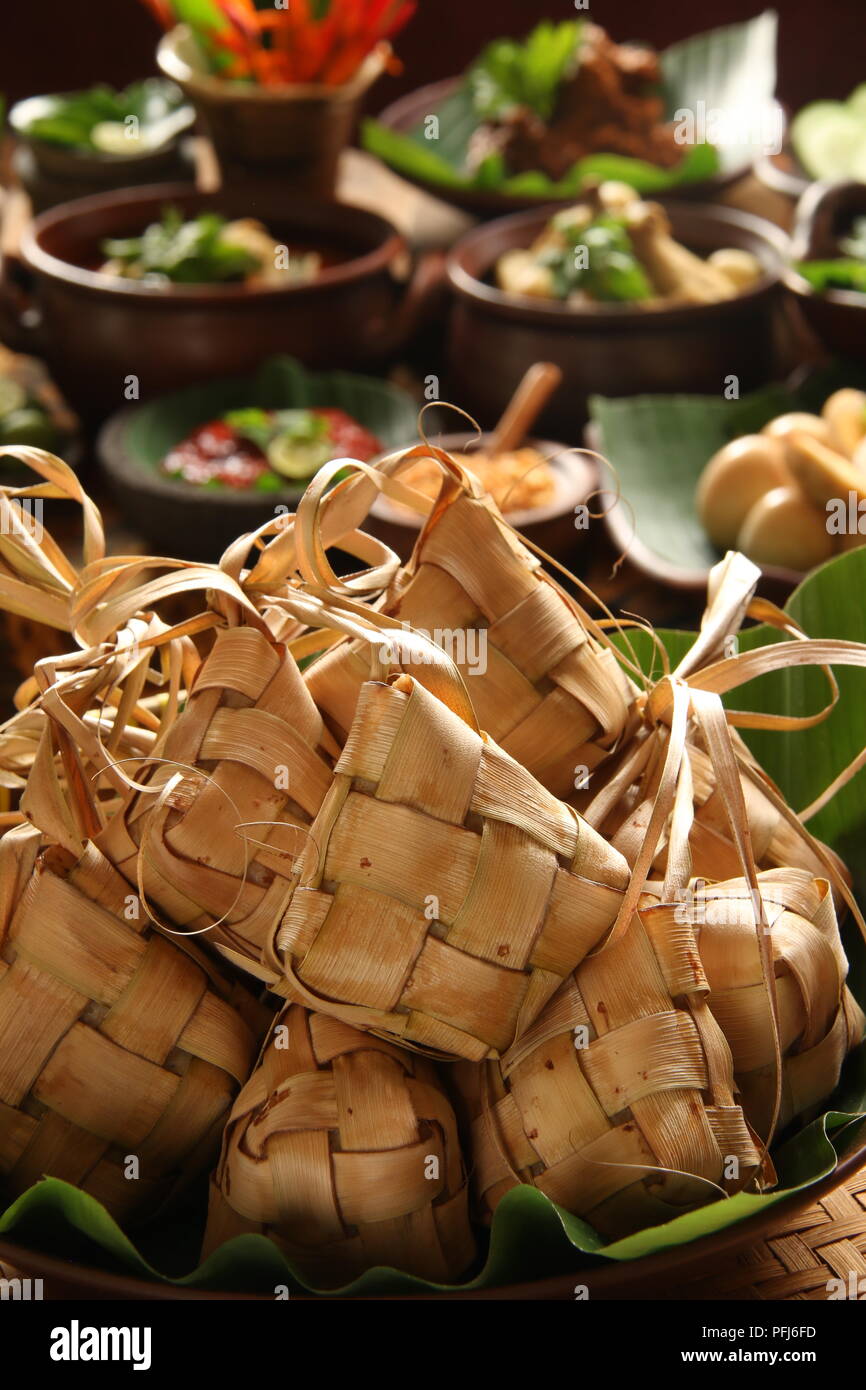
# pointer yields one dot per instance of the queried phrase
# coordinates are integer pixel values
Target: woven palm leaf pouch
(545, 686)
(630, 992)
(713, 1013)
(180, 737)
(819, 1021)
(344, 1150)
(444, 894)
(120, 1054)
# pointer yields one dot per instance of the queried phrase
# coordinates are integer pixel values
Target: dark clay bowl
(53, 174)
(408, 113)
(98, 331)
(837, 317)
(178, 518)
(608, 350)
(552, 527)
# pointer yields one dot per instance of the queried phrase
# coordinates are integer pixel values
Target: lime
(12, 395)
(297, 458)
(827, 137)
(28, 426)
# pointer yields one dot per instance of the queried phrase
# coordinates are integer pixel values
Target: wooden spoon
(538, 385)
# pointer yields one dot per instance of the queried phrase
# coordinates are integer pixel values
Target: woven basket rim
(624, 1279)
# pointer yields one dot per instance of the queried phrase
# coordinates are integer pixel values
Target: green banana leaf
(829, 603)
(532, 1238)
(729, 69)
(657, 447)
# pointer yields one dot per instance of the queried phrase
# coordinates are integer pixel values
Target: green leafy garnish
(252, 423)
(70, 120)
(268, 482)
(845, 272)
(834, 275)
(598, 259)
(528, 72)
(186, 253)
(854, 244)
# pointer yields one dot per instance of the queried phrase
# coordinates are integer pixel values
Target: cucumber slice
(297, 458)
(827, 138)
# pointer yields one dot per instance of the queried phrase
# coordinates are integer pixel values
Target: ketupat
(119, 1056)
(619, 1102)
(621, 799)
(544, 686)
(344, 1150)
(819, 1020)
(653, 1068)
(248, 755)
(444, 894)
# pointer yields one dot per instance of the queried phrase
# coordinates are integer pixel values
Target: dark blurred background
(56, 45)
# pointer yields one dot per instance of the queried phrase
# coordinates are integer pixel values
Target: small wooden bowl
(838, 317)
(294, 133)
(552, 528)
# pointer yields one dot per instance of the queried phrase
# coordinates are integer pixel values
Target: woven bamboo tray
(795, 1259)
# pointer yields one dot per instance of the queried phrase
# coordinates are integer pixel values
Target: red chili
(350, 440)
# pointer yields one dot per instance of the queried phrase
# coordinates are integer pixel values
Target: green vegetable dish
(845, 272)
(536, 117)
(207, 250)
(256, 449)
(143, 117)
(613, 248)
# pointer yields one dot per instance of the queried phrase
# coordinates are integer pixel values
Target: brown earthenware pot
(609, 349)
(838, 317)
(97, 331)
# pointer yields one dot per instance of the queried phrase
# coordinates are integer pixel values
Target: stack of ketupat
(367, 797)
